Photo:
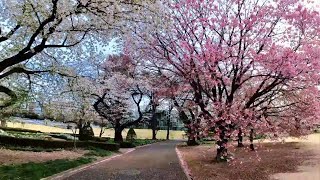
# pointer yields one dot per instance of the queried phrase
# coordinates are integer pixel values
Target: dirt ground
(310, 168)
(17, 157)
(293, 160)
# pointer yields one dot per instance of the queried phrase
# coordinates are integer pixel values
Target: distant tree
(120, 90)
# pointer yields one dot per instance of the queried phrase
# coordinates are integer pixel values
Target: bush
(62, 136)
(131, 135)
(7, 140)
(19, 130)
(126, 144)
(86, 133)
(101, 139)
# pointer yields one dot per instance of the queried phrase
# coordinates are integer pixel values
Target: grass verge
(28, 148)
(36, 171)
(141, 142)
(93, 151)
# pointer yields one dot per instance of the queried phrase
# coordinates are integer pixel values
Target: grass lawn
(28, 148)
(141, 133)
(269, 159)
(36, 171)
(93, 151)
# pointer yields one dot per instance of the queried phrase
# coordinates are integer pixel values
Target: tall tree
(246, 62)
(120, 90)
(33, 34)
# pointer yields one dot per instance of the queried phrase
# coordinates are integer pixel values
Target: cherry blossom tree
(35, 36)
(80, 111)
(251, 64)
(120, 90)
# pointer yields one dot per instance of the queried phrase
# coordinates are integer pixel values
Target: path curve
(153, 162)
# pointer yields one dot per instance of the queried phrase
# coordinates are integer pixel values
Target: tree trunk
(101, 132)
(222, 151)
(118, 135)
(3, 123)
(191, 138)
(154, 124)
(74, 138)
(169, 120)
(192, 141)
(154, 129)
(240, 138)
(251, 140)
(80, 127)
(168, 128)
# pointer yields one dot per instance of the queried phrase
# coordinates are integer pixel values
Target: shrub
(126, 144)
(6, 140)
(62, 136)
(131, 135)
(101, 139)
(19, 130)
(86, 132)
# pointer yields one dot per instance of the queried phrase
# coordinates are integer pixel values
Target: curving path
(153, 162)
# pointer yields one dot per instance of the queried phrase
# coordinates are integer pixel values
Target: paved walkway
(154, 162)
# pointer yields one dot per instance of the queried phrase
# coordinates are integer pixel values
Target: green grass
(36, 171)
(141, 133)
(141, 142)
(33, 149)
(20, 134)
(136, 142)
(98, 152)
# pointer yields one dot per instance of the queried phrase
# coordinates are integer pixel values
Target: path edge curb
(183, 164)
(72, 171)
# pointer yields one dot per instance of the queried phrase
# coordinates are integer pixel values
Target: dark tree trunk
(240, 138)
(3, 123)
(168, 128)
(191, 138)
(118, 134)
(169, 121)
(222, 151)
(154, 126)
(154, 122)
(101, 131)
(80, 127)
(192, 141)
(251, 140)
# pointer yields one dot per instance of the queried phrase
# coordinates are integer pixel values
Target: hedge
(7, 140)
(101, 139)
(19, 130)
(126, 144)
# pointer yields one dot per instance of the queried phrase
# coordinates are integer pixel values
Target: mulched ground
(270, 158)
